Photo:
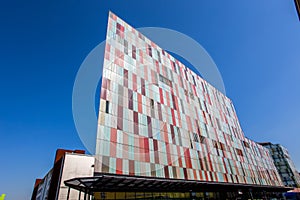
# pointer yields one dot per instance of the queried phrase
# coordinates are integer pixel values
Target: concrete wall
(75, 165)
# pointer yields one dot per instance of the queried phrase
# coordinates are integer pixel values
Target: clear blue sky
(255, 44)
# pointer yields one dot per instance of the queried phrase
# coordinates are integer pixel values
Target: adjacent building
(67, 164)
(284, 164)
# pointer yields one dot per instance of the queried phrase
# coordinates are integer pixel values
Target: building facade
(284, 164)
(158, 118)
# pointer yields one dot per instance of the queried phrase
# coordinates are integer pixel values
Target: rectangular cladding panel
(159, 118)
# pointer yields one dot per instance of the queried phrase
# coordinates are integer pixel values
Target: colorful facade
(158, 118)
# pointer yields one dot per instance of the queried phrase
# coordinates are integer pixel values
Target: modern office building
(164, 132)
(163, 125)
(284, 164)
(158, 118)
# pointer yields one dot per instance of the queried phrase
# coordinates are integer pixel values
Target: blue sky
(255, 45)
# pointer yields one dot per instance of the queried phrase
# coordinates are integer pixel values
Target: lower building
(284, 164)
(68, 164)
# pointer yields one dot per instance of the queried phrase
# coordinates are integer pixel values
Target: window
(202, 139)
(151, 103)
(223, 148)
(195, 137)
(149, 51)
(215, 144)
(246, 144)
(158, 55)
(165, 80)
(107, 107)
(218, 123)
(133, 52)
(239, 152)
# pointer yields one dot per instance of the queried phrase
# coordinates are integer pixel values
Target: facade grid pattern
(158, 118)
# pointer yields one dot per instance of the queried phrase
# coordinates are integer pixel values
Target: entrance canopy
(122, 183)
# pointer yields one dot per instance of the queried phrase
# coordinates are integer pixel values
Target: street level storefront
(111, 186)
